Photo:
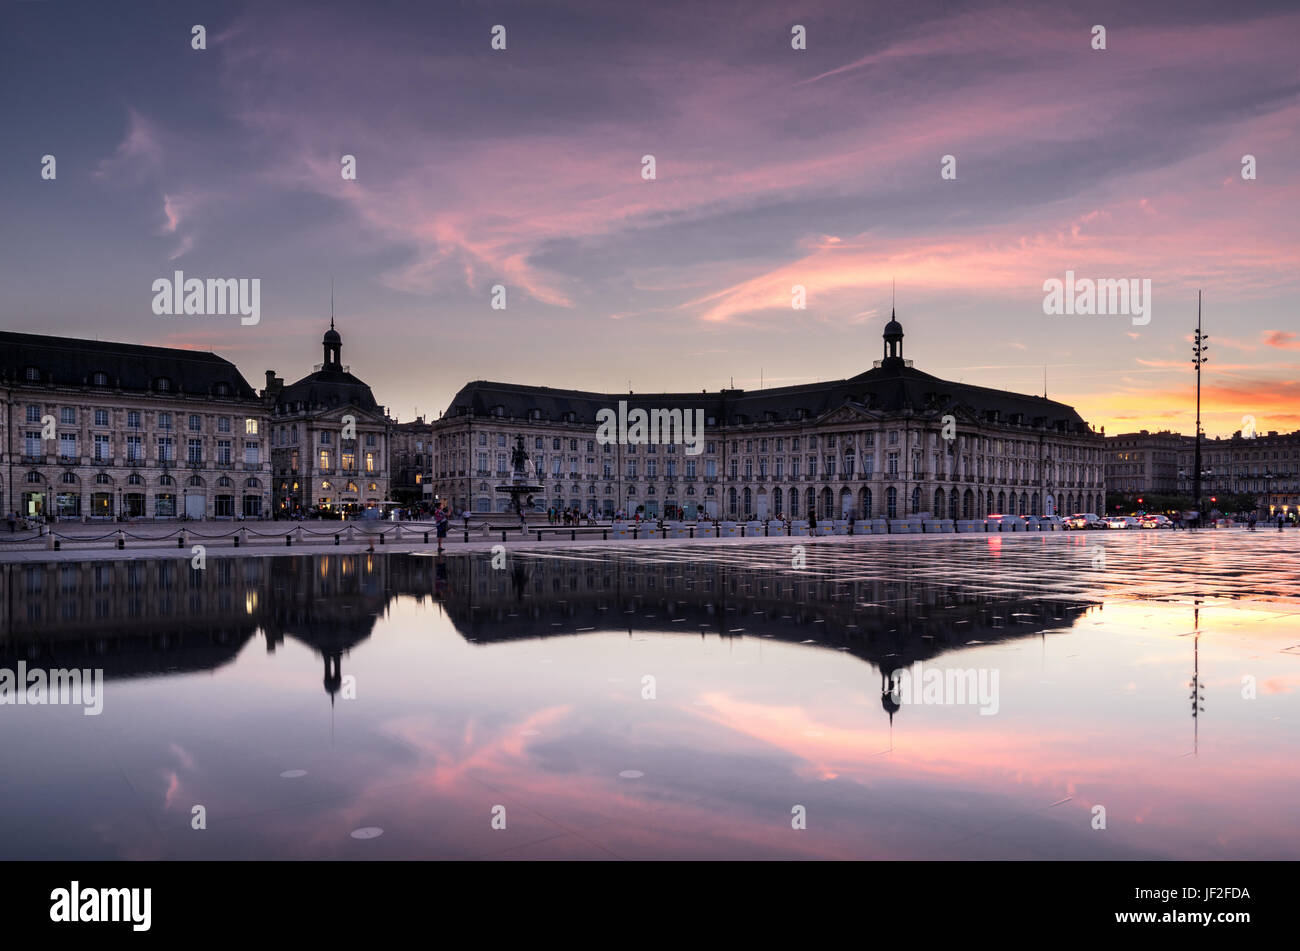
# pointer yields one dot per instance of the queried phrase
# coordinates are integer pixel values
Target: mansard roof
(326, 389)
(69, 361)
(884, 390)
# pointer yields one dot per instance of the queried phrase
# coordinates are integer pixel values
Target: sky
(524, 168)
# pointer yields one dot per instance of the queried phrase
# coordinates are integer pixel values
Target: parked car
(1122, 521)
(1155, 521)
(1085, 520)
(1000, 518)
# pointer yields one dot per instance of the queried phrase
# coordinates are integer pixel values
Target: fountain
(519, 485)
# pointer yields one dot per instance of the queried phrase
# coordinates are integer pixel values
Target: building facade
(94, 430)
(411, 461)
(1144, 461)
(890, 442)
(1266, 466)
(329, 438)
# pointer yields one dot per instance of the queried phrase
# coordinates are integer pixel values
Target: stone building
(95, 429)
(328, 438)
(1144, 461)
(873, 445)
(1264, 465)
(411, 461)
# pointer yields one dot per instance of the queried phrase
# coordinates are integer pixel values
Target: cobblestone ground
(1098, 694)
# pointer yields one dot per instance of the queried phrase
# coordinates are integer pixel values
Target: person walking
(1280, 519)
(440, 523)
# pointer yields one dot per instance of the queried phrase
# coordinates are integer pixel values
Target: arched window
(99, 378)
(891, 502)
(162, 384)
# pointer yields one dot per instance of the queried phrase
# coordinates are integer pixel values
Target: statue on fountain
(519, 456)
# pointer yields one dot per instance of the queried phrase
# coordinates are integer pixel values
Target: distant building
(1267, 466)
(329, 438)
(869, 446)
(95, 429)
(1143, 461)
(411, 460)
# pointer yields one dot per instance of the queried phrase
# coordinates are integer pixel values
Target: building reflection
(154, 618)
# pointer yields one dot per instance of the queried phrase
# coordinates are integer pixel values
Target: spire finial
(331, 302)
(893, 287)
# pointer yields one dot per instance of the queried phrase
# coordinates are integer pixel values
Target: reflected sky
(299, 699)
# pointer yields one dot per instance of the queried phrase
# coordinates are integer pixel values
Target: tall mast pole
(1198, 358)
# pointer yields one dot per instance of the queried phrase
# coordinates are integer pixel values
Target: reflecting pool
(724, 701)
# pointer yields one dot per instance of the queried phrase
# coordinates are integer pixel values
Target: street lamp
(1198, 359)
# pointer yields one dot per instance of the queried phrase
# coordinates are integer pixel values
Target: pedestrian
(440, 522)
(1280, 519)
(13, 520)
(1251, 521)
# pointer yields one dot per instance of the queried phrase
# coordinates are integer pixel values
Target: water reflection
(524, 687)
(146, 618)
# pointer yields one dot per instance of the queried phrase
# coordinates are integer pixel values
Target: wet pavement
(693, 701)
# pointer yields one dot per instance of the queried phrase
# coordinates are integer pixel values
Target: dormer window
(162, 384)
(222, 389)
(33, 375)
(99, 378)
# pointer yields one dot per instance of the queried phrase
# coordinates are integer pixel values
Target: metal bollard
(573, 536)
(742, 531)
(634, 533)
(539, 534)
(503, 535)
(121, 544)
(604, 534)
(180, 541)
(236, 541)
(58, 545)
(426, 538)
(692, 531)
(288, 540)
(381, 538)
(336, 538)
(767, 530)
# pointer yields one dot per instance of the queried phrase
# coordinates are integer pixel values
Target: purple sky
(775, 167)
